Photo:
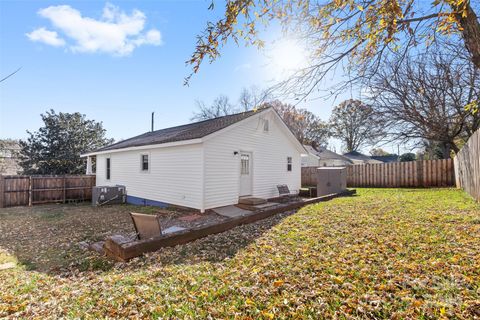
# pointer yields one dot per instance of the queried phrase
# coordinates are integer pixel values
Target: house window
(289, 163)
(265, 125)
(245, 164)
(144, 162)
(108, 169)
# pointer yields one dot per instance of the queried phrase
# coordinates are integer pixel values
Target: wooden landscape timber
(121, 249)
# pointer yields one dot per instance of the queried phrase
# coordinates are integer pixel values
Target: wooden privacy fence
(31, 190)
(425, 173)
(309, 176)
(467, 166)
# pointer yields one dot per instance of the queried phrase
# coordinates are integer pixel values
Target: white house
(322, 157)
(206, 164)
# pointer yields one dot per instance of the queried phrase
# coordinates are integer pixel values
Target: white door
(245, 174)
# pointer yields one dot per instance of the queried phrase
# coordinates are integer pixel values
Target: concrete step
(252, 201)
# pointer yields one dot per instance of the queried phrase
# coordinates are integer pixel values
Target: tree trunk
(447, 148)
(470, 32)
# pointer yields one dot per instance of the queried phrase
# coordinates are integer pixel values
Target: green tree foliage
(56, 147)
(352, 122)
(409, 156)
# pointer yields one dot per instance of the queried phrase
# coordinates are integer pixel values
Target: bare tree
(253, 97)
(221, 106)
(306, 126)
(357, 35)
(423, 97)
(353, 123)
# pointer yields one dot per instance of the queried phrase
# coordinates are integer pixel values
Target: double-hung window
(108, 169)
(144, 162)
(289, 163)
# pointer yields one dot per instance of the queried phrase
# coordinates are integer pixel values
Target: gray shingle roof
(387, 158)
(325, 154)
(190, 131)
(358, 157)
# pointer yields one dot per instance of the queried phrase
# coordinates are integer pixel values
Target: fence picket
(467, 166)
(424, 173)
(31, 190)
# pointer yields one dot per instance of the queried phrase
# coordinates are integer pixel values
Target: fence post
(64, 189)
(419, 173)
(2, 191)
(30, 191)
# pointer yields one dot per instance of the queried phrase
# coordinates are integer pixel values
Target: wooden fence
(426, 173)
(467, 166)
(31, 190)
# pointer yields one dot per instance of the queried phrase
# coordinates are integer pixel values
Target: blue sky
(119, 82)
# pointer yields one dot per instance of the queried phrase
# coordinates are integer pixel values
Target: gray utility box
(108, 195)
(331, 180)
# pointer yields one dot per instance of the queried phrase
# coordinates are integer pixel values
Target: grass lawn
(386, 253)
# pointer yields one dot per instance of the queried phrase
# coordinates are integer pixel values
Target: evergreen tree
(56, 147)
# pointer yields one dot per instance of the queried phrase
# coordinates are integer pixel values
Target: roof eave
(144, 147)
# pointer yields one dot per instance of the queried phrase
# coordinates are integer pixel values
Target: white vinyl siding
(269, 156)
(309, 160)
(175, 174)
(206, 174)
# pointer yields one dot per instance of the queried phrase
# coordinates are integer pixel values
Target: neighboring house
(322, 157)
(206, 164)
(9, 160)
(387, 158)
(358, 158)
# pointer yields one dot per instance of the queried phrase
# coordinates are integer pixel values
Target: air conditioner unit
(331, 180)
(108, 195)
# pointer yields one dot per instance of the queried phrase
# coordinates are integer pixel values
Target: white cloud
(116, 32)
(46, 36)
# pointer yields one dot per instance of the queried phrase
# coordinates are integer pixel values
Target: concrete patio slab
(251, 201)
(265, 205)
(173, 229)
(231, 211)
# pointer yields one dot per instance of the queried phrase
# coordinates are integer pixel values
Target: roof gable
(281, 125)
